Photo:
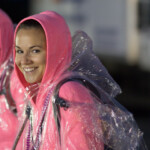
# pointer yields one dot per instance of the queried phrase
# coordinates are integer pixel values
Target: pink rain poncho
(89, 122)
(73, 129)
(8, 119)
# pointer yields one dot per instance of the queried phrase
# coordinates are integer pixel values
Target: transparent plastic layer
(85, 62)
(5, 75)
(8, 118)
(91, 121)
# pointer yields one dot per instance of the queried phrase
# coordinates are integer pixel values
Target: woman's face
(30, 45)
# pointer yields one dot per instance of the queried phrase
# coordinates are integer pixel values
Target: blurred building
(119, 28)
(111, 24)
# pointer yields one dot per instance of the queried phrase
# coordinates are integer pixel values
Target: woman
(88, 121)
(42, 55)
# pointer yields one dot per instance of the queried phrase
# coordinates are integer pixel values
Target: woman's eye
(36, 51)
(19, 51)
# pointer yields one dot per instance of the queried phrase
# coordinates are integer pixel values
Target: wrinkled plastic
(10, 88)
(8, 119)
(120, 131)
(17, 93)
(93, 123)
(86, 63)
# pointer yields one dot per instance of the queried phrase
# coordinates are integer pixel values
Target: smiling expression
(30, 45)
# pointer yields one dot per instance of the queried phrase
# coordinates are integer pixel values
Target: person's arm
(80, 123)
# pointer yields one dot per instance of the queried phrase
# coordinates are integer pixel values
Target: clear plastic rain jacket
(8, 120)
(90, 122)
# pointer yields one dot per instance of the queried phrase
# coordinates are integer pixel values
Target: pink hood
(6, 32)
(58, 40)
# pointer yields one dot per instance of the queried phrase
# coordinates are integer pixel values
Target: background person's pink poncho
(8, 120)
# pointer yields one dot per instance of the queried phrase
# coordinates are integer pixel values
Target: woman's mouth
(27, 70)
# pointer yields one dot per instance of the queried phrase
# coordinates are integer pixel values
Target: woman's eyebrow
(35, 46)
(17, 46)
(30, 47)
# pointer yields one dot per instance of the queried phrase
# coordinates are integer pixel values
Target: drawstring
(39, 132)
(28, 110)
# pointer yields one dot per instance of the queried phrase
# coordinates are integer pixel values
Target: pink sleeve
(80, 124)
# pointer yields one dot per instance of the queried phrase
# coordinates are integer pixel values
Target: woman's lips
(29, 69)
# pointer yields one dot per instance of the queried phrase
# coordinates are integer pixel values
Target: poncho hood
(6, 36)
(58, 42)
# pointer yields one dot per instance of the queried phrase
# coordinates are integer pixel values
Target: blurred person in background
(10, 102)
(8, 118)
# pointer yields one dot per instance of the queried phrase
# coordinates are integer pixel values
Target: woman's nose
(25, 59)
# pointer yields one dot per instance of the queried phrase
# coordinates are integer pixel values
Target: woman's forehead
(30, 36)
